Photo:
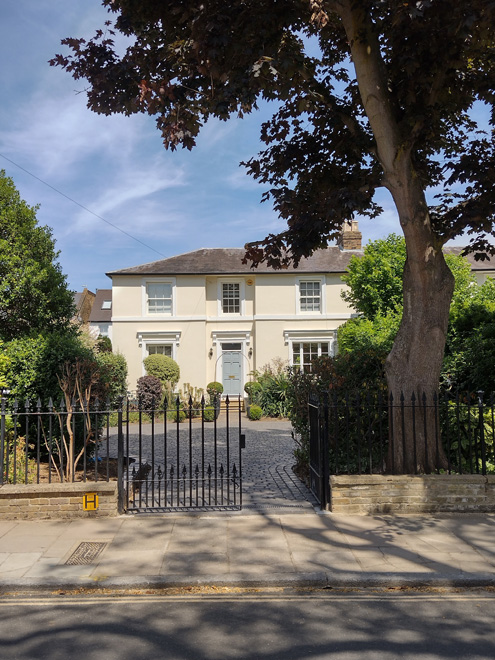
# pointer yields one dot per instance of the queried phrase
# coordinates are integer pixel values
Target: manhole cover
(86, 552)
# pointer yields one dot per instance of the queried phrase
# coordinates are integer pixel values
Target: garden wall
(371, 494)
(24, 502)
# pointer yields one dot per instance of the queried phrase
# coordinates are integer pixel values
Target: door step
(233, 404)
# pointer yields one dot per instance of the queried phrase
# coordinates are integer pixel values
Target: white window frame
(305, 280)
(242, 297)
(160, 280)
(310, 337)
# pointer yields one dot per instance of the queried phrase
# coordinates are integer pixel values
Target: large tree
(33, 291)
(386, 102)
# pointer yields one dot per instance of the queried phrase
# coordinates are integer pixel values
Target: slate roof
(487, 264)
(228, 261)
(99, 315)
(223, 261)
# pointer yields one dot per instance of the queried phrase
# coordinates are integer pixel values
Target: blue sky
(116, 166)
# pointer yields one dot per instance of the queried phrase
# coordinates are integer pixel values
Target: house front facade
(220, 319)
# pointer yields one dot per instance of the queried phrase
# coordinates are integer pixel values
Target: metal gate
(319, 469)
(181, 459)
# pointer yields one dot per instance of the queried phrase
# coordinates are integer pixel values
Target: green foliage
(470, 350)
(35, 362)
(214, 388)
(362, 334)
(214, 391)
(175, 415)
(252, 388)
(104, 344)
(114, 373)
(4, 365)
(376, 291)
(33, 291)
(255, 412)
(149, 392)
(269, 389)
(375, 279)
(209, 413)
(162, 367)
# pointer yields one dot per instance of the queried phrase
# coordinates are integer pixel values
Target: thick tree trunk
(414, 364)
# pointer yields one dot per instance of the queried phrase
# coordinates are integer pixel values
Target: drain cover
(86, 552)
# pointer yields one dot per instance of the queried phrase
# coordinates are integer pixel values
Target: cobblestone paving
(267, 460)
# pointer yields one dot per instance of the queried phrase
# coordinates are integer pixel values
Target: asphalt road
(261, 626)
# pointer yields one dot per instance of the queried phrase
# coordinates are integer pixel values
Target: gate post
(120, 459)
(325, 459)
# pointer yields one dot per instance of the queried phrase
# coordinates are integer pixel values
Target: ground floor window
(303, 353)
(160, 349)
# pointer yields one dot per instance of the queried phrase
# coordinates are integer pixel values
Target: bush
(114, 374)
(214, 388)
(104, 344)
(209, 413)
(149, 391)
(270, 389)
(172, 415)
(163, 368)
(252, 389)
(35, 362)
(255, 412)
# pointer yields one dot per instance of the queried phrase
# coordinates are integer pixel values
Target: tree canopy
(370, 94)
(33, 291)
(333, 140)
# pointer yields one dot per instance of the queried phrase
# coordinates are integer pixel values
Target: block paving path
(269, 482)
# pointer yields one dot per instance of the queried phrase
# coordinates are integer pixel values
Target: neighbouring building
(100, 319)
(83, 301)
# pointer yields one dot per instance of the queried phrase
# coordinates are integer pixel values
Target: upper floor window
(106, 304)
(159, 297)
(310, 296)
(231, 298)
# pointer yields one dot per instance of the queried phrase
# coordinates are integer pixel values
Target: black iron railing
(55, 443)
(366, 432)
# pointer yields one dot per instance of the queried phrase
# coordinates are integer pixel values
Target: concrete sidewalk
(305, 549)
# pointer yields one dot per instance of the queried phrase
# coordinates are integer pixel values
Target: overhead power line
(82, 206)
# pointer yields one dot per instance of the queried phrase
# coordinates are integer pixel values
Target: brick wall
(369, 494)
(56, 500)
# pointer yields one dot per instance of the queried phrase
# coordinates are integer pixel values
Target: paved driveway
(268, 480)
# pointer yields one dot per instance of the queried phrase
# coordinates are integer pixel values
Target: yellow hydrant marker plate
(90, 501)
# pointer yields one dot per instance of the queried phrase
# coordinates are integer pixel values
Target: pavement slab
(281, 538)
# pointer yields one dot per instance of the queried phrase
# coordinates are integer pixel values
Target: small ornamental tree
(149, 391)
(384, 98)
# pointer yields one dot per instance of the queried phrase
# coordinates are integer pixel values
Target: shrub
(172, 415)
(114, 374)
(162, 367)
(252, 389)
(209, 413)
(149, 391)
(255, 412)
(35, 361)
(104, 344)
(214, 388)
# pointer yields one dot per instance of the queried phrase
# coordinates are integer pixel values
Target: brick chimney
(350, 237)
